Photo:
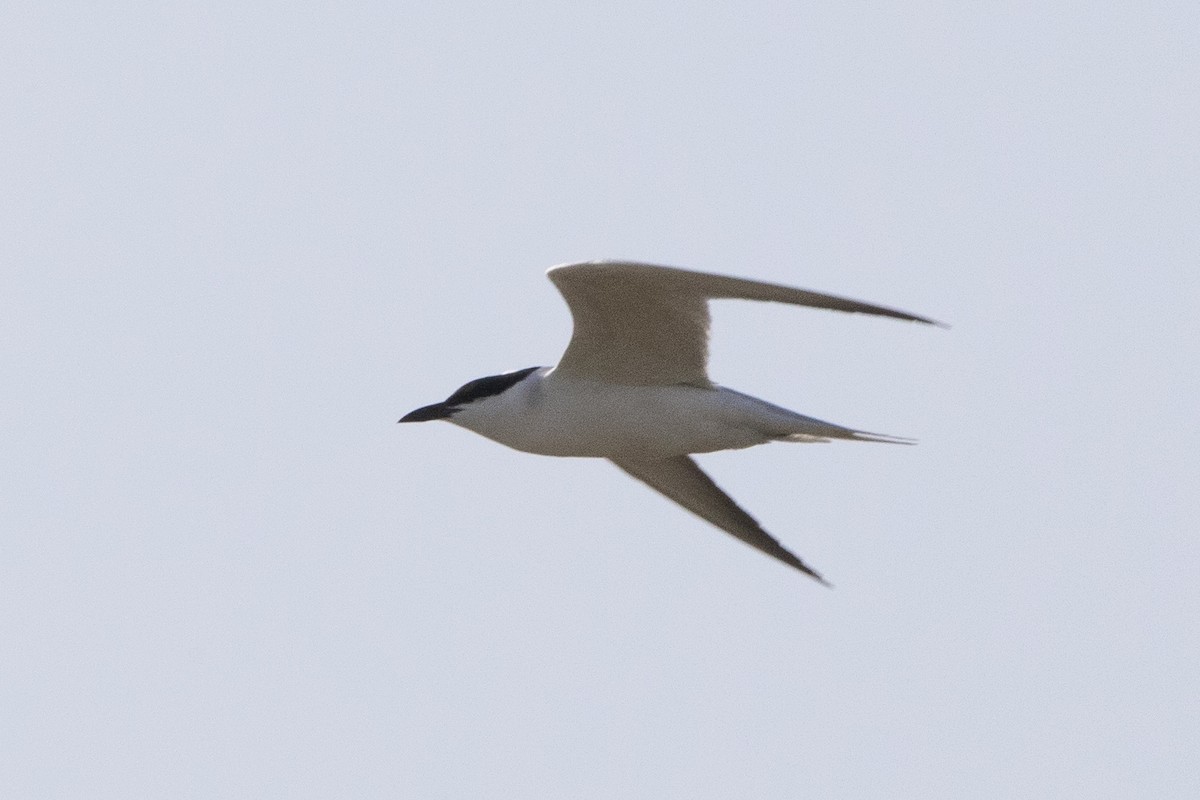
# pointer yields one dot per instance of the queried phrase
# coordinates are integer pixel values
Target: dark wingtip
(816, 576)
(793, 561)
(923, 320)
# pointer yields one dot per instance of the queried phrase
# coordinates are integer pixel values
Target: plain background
(239, 240)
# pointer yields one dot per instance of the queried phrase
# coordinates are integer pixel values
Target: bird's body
(633, 388)
(552, 415)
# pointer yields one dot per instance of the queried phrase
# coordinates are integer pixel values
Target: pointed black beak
(427, 413)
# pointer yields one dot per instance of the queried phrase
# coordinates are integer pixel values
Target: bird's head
(468, 393)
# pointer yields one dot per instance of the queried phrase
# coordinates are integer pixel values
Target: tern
(633, 387)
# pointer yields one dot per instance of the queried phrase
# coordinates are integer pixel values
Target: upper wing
(682, 480)
(641, 324)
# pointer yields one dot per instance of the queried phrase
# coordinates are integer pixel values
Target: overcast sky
(239, 240)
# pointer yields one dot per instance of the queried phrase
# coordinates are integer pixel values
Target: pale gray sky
(239, 240)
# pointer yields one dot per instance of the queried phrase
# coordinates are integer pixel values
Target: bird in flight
(633, 387)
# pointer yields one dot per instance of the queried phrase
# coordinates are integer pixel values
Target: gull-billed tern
(633, 387)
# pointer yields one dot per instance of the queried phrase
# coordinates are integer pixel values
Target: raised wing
(646, 325)
(682, 480)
